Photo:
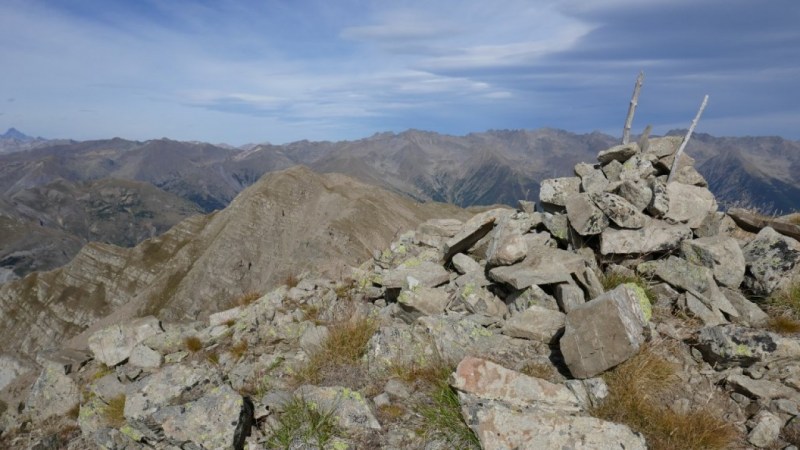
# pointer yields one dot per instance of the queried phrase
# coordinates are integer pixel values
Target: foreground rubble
(499, 332)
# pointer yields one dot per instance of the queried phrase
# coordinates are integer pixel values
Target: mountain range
(500, 166)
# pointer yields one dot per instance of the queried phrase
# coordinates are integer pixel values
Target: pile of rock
(494, 296)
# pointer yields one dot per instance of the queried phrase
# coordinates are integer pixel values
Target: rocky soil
(623, 312)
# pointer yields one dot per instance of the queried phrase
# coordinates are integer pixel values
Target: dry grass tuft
(346, 344)
(639, 389)
(247, 298)
(291, 280)
(239, 349)
(783, 325)
(114, 411)
(613, 279)
(193, 344)
(390, 413)
(783, 308)
(542, 370)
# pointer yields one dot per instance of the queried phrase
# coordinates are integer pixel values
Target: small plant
(239, 349)
(613, 279)
(247, 298)
(114, 411)
(783, 325)
(291, 280)
(390, 413)
(783, 308)
(303, 423)
(213, 358)
(193, 344)
(542, 370)
(443, 417)
(639, 390)
(346, 344)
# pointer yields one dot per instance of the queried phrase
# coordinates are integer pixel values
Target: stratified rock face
(604, 331)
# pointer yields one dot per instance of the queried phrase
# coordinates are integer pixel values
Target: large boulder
(655, 236)
(535, 323)
(773, 261)
(689, 204)
(721, 254)
(605, 331)
(584, 216)
(556, 191)
(52, 394)
(114, 344)
(728, 346)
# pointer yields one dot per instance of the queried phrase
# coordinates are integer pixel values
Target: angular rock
(476, 300)
(638, 167)
(544, 266)
(664, 146)
(314, 338)
(348, 407)
(424, 274)
(556, 191)
(584, 216)
(52, 394)
(721, 254)
(223, 317)
(655, 236)
(761, 389)
(749, 313)
(689, 175)
(107, 387)
(438, 230)
(636, 192)
(709, 314)
(689, 204)
(145, 357)
(526, 206)
(398, 345)
(592, 179)
(773, 261)
(521, 300)
(605, 331)
(716, 224)
(557, 225)
(473, 231)
(619, 210)
(506, 245)
(464, 264)
(422, 301)
(219, 419)
(619, 153)
(659, 204)
(569, 296)
(114, 344)
(612, 170)
(535, 323)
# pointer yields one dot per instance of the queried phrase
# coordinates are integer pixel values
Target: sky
(246, 71)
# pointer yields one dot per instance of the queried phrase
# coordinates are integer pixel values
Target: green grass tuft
(303, 423)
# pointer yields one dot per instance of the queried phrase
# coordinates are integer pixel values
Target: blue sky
(279, 71)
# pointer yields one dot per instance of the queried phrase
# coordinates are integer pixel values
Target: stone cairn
(491, 296)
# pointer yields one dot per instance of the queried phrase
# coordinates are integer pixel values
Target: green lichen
(644, 302)
(132, 433)
(340, 445)
(743, 350)
(479, 331)
(468, 290)
(411, 263)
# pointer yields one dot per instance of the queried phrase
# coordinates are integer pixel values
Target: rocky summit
(623, 312)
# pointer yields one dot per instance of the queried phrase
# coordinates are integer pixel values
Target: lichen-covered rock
(53, 394)
(422, 301)
(592, 179)
(522, 299)
(477, 300)
(773, 261)
(767, 429)
(728, 346)
(637, 192)
(619, 210)
(749, 313)
(221, 419)
(114, 344)
(472, 231)
(398, 345)
(464, 264)
(584, 216)
(721, 254)
(413, 274)
(569, 296)
(145, 357)
(659, 204)
(349, 407)
(619, 153)
(605, 331)
(556, 191)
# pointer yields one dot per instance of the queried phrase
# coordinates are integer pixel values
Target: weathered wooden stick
(626, 132)
(686, 139)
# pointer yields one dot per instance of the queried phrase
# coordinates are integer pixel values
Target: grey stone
(761, 389)
(145, 357)
(636, 192)
(472, 232)
(619, 210)
(474, 299)
(590, 282)
(527, 206)
(659, 204)
(53, 394)
(716, 224)
(655, 236)
(107, 387)
(689, 175)
(592, 179)
(539, 239)
(219, 419)
(536, 323)
(67, 359)
(689, 204)
(425, 274)
(584, 216)
(114, 344)
(522, 299)
(709, 314)
(721, 254)
(422, 301)
(638, 167)
(569, 297)
(314, 338)
(545, 266)
(348, 407)
(464, 264)
(619, 153)
(556, 191)
(605, 331)
(398, 345)
(728, 346)
(223, 317)
(767, 429)
(773, 261)
(664, 146)
(749, 313)
(506, 245)
(612, 170)
(557, 225)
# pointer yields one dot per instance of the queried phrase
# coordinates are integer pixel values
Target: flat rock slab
(543, 266)
(721, 254)
(584, 216)
(425, 274)
(473, 231)
(727, 346)
(349, 408)
(52, 394)
(619, 153)
(113, 345)
(605, 331)
(422, 301)
(619, 210)
(656, 236)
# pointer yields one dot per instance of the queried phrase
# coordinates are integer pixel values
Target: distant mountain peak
(13, 133)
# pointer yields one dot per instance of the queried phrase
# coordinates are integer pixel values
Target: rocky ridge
(515, 307)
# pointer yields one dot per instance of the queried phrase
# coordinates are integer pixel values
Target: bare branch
(686, 139)
(626, 132)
